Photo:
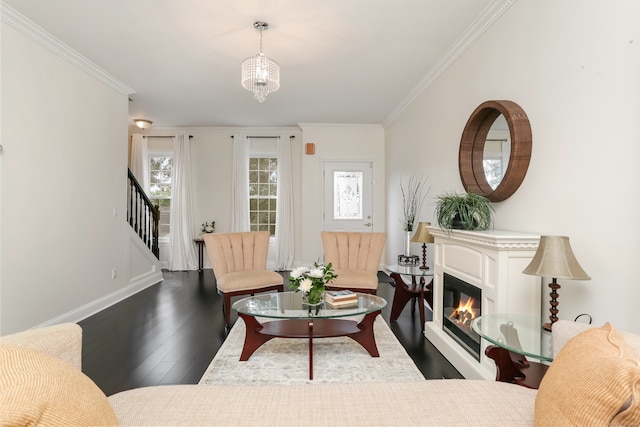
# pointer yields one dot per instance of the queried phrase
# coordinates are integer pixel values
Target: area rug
(286, 361)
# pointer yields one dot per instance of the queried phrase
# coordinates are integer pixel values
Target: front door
(348, 201)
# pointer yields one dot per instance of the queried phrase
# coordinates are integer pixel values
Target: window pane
(347, 195)
(160, 182)
(263, 192)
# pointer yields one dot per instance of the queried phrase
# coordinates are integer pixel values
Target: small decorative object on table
(209, 228)
(312, 283)
(408, 260)
(341, 299)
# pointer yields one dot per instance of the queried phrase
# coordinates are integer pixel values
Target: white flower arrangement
(311, 282)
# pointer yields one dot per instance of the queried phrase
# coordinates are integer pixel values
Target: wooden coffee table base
(259, 333)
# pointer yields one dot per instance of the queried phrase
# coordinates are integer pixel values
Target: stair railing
(142, 215)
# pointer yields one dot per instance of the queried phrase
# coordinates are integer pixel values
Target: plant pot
(407, 243)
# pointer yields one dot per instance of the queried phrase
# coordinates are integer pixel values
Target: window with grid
(263, 192)
(160, 183)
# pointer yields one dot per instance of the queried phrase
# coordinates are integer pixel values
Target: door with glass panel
(348, 201)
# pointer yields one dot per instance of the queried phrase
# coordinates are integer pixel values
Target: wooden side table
(199, 241)
(514, 338)
(418, 290)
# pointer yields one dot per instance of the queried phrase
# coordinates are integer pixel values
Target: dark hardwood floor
(170, 332)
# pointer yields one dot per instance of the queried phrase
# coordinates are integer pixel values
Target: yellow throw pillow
(39, 389)
(594, 380)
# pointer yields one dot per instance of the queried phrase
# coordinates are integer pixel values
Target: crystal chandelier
(260, 74)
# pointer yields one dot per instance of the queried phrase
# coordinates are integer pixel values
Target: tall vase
(407, 243)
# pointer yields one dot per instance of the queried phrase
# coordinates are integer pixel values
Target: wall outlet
(115, 211)
(114, 273)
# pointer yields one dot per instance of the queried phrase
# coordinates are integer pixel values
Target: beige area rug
(286, 361)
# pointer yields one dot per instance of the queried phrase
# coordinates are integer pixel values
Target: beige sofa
(42, 395)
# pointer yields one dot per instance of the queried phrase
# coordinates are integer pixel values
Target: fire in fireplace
(461, 304)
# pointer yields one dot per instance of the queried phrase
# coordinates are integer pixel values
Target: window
(160, 182)
(263, 192)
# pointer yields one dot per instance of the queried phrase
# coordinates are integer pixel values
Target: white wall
(64, 137)
(335, 142)
(211, 171)
(574, 68)
(211, 163)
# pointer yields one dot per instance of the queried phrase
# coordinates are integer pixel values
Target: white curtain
(182, 255)
(284, 244)
(139, 161)
(240, 184)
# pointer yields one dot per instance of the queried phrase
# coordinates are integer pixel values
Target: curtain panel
(182, 255)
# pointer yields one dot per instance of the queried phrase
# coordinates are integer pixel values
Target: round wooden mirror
(471, 158)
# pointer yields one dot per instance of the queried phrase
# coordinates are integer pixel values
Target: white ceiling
(342, 61)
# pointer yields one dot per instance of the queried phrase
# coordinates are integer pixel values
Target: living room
(65, 248)
(572, 68)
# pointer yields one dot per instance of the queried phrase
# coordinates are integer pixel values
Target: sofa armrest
(564, 330)
(63, 341)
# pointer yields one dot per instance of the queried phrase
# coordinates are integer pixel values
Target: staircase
(142, 215)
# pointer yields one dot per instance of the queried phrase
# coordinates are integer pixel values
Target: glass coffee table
(282, 315)
(515, 338)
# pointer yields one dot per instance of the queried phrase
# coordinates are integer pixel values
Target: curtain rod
(162, 136)
(263, 137)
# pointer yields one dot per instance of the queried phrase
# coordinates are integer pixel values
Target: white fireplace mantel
(493, 261)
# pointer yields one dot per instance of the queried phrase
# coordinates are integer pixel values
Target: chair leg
(226, 310)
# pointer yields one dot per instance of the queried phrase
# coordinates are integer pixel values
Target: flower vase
(312, 303)
(407, 243)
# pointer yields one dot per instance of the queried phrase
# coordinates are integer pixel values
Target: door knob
(368, 224)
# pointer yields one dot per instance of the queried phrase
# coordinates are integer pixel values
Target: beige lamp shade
(554, 258)
(422, 233)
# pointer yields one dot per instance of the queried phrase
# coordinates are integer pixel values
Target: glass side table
(514, 338)
(419, 289)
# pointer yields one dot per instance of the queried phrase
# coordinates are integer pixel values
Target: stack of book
(341, 299)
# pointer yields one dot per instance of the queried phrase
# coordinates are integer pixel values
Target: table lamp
(554, 258)
(423, 236)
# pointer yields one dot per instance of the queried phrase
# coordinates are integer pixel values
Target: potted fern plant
(466, 211)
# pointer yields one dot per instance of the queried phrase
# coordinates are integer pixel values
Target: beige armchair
(355, 258)
(239, 263)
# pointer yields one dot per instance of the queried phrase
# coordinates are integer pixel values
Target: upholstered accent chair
(239, 263)
(355, 258)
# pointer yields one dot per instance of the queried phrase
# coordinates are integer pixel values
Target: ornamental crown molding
(481, 24)
(32, 30)
(495, 239)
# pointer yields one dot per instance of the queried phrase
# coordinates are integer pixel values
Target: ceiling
(341, 61)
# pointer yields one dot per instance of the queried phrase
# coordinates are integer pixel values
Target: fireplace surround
(491, 261)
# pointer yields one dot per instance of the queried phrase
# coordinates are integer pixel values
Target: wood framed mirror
(482, 169)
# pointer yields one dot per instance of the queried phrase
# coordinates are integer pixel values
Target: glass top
(288, 305)
(410, 270)
(517, 333)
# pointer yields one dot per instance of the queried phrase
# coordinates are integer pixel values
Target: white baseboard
(135, 285)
